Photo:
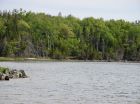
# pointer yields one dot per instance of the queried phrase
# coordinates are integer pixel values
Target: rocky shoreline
(7, 74)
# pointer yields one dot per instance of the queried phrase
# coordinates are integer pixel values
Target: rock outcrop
(17, 74)
(7, 74)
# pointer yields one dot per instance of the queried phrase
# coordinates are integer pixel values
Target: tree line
(29, 34)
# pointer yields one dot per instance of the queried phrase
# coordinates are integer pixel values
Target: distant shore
(65, 60)
(23, 59)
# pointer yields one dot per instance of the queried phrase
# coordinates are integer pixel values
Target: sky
(108, 9)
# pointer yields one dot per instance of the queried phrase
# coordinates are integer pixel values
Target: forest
(30, 34)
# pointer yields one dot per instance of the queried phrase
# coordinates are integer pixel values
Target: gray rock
(6, 77)
(13, 74)
(17, 74)
(23, 75)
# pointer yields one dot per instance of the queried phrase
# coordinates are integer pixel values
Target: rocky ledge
(7, 74)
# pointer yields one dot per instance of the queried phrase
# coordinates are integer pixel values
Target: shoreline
(60, 60)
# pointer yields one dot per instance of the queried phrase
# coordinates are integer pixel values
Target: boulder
(23, 75)
(17, 74)
(6, 77)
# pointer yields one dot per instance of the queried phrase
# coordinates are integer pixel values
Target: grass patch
(24, 59)
(11, 59)
(4, 70)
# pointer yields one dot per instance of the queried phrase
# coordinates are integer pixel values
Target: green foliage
(4, 70)
(2, 28)
(28, 34)
(23, 26)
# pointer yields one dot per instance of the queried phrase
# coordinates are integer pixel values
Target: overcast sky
(107, 9)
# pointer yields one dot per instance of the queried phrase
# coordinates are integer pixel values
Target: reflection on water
(72, 83)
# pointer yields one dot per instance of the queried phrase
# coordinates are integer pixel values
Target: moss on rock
(4, 70)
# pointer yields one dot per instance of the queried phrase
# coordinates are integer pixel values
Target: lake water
(72, 83)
